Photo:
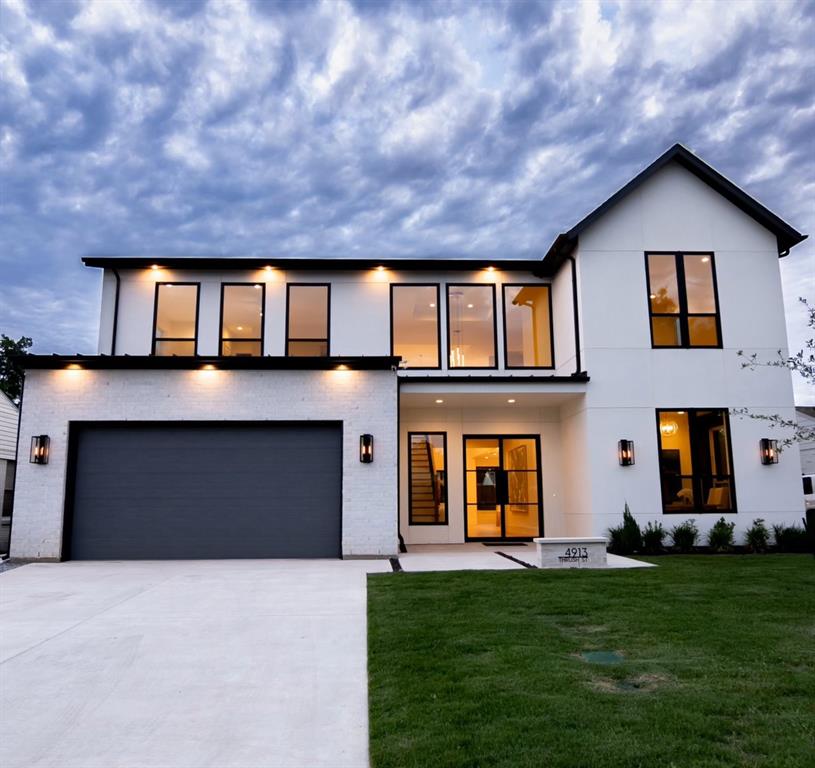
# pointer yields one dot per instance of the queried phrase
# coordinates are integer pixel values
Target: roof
(786, 235)
(151, 362)
(225, 262)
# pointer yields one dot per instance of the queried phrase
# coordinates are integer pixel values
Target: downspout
(578, 362)
(115, 313)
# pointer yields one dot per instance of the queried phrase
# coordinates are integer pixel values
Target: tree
(11, 372)
(803, 363)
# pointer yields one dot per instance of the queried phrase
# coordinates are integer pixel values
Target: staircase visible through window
(427, 481)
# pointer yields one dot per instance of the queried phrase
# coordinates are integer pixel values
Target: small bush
(652, 537)
(758, 536)
(685, 535)
(791, 538)
(625, 539)
(720, 536)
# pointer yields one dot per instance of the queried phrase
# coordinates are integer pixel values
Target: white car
(809, 496)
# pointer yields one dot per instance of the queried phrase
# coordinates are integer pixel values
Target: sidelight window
(427, 478)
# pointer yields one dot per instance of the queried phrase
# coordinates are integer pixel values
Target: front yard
(711, 663)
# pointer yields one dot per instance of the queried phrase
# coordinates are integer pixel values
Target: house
(263, 407)
(9, 416)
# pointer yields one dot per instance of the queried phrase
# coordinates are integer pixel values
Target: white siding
(9, 416)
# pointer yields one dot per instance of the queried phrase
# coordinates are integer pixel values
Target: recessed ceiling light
(653, 295)
(511, 400)
(240, 327)
(154, 266)
(469, 306)
(705, 259)
(268, 269)
(380, 269)
(490, 269)
(432, 305)
(257, 285)
(439, 401)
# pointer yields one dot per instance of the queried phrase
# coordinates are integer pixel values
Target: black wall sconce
(625, 452)
(366, 449)
(40, 446)
(769, 450)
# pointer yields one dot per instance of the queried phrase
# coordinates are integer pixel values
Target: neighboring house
(231, 407)
(806, 418)
(9, 417)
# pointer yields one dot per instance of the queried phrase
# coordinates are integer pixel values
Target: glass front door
(502, 487)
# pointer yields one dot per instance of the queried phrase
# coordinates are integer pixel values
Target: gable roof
(786, 235)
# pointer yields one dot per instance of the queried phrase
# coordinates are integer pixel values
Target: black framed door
(502, 488)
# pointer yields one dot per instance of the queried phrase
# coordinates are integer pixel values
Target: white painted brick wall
(365, 401)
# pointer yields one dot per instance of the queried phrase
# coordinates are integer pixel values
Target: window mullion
(684, 328)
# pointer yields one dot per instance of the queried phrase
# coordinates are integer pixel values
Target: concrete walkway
(229, 664)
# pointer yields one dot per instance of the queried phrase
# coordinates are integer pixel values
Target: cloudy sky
(368, 128)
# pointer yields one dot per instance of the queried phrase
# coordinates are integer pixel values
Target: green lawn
(485, 668)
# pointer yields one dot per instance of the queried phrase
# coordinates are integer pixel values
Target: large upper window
(682, 300)
(175, 320)
(427, 478)
(415, 325)
(471, 326)
(242, 319)
(307, 319)
(694, 461)
(527, 326)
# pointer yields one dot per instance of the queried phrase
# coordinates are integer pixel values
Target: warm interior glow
(307, 321)
(415, 323)
(528, 326)
(470, 319)
(176, 318)
(427, 479)
(242, 320)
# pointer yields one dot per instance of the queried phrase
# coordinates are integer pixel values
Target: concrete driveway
(229, 664)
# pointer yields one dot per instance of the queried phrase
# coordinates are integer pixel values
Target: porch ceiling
(523, 397)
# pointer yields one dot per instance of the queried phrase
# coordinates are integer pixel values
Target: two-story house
(263, 407)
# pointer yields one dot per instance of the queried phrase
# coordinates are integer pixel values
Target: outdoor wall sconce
(769, 450)
(366, 448)
(625, 452)
(40, 445)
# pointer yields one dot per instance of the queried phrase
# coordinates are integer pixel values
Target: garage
(181, 490)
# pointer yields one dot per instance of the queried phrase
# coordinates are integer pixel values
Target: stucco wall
(365, 401)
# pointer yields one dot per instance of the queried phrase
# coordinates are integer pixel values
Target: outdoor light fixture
(39, 449)
(625, 452)
(366, 449)
(769, 450)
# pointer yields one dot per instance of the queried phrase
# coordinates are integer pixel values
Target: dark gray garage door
(157, 491)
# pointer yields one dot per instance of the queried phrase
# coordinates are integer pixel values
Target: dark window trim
(197, 318)
(410, 478)
(449, 367)
(501, 438)
(698, 505)
(327, 338)
(683, 315)
(262, 338)
(509, 367)
(437, 286)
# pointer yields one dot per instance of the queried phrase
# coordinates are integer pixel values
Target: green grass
(483, 668)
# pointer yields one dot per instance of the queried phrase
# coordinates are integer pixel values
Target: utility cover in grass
(602, 657)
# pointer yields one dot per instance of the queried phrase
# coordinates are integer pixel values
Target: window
(695, 462)
(427, 478)
(528, 326)
(242, 319)
(175, 320)
(682, 299)
(471, 326)
(307, 319)
(415, 325)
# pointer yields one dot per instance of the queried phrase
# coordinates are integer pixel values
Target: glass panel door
(501, 478)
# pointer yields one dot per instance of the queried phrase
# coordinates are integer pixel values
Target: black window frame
(683, 315)
(197, 318)
(439, 350)
(327, 338)
(509, 367)
(698, 504)
(495, 310)
(446, 478)
(221, 338)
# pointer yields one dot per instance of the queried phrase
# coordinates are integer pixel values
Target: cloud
(356, 128)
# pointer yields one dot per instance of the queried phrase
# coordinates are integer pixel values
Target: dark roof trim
(149, 362)
(786, 235)
(221, 262)
(575, 378)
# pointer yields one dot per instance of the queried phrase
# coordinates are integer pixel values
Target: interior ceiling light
(511, 400)
(469, 306)
(439, 401)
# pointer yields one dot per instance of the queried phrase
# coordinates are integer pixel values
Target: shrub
(652, 536)
(720, 536)
(625, 539)
(791, 538)
(685, 535)
(758, 537)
